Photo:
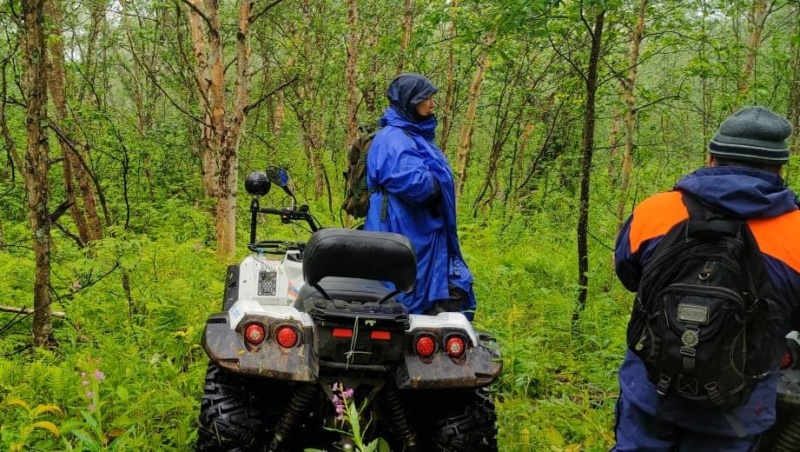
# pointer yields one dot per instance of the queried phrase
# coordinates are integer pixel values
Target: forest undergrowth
(126, 370)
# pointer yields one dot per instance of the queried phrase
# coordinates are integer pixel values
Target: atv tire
(453, 420)
(237, 414)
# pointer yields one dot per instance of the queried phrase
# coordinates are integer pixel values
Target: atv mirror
(257, 184)
(280, 177)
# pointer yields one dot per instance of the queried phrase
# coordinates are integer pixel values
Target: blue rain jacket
(771, 211)
(406, 166)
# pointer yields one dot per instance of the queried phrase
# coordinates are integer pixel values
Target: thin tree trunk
(630, 113)
(405, 39)
(229, 161)
(465, 140)
(794, 89)
(613, 146)
(309, 113)
(587, 145)
(370, 90)
(37, 162)
(758, 15)
(449, 101)
(8, 141)
(86, 218)
(204, 80)
(222, 127)
(351, 70)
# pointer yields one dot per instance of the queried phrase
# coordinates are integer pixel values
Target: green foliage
(136, 301)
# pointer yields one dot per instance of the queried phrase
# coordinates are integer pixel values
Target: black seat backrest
(351, 253)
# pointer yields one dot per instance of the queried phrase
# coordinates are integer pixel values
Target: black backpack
(356, 195)
(701, 320)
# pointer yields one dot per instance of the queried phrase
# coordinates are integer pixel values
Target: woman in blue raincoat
(412, 193)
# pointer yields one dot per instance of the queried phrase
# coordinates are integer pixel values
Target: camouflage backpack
(356, 195)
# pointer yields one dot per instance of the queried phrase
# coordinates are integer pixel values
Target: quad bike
(301, 322)
(784, 436)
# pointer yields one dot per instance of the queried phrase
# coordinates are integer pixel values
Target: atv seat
(350, 253)
(347, 289)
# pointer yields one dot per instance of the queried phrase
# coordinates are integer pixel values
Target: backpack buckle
(663, 384)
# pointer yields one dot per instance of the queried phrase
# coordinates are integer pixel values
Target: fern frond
(47, 409)
(49, 426)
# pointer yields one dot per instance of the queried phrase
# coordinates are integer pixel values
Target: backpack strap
(384, 200)
(706, 220)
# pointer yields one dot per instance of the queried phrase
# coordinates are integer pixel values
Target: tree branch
(59, 314)
(269, 94)
(268, 7)
(197, 11)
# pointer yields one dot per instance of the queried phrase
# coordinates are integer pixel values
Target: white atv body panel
(275, 282)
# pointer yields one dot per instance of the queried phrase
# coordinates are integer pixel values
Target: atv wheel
(465, 420)
(237, 413)
(469, 424)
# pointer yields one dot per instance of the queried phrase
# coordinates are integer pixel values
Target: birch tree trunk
(405, 39)
(351, 70)
(449, 101)
(229, 161)
(204, 80)
(758, 15)
(613, 146)
(34, 85)
(84, 213)
(221, 129)
(793, 114)
(370, 90)
(630, 113)
(465, 140)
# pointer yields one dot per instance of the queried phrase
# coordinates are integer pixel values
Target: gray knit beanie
(752, 134)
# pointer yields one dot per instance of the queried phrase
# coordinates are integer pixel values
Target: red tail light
(380, 335)
(425, 346)
(342, 333)
(254, 334)
(455, 346)
(786, 362)
(286, 336)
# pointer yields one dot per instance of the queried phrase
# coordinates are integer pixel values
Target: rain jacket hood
(750, 193)
(406, 91)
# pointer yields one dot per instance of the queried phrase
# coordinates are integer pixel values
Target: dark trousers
(454, 303)
(638, 431)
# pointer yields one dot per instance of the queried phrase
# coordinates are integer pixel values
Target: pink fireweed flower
(85, 382)
(89, 394)
(339, 399)
(90, 407)
(99, 375)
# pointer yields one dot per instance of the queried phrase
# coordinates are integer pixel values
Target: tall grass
(557, 390)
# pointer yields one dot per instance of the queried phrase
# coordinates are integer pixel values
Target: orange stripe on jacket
(778, 237)
(655, 216)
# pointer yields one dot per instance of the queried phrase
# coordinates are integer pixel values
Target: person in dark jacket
(742, 179)
(412, 193)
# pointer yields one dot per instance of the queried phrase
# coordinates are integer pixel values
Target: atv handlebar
(288, 215)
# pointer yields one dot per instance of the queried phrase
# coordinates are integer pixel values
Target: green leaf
(49, 426)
